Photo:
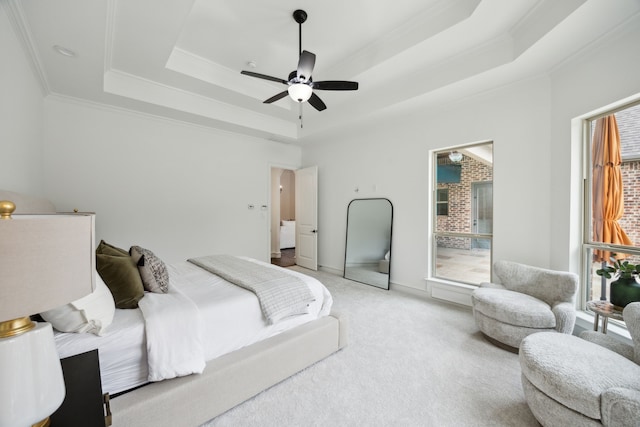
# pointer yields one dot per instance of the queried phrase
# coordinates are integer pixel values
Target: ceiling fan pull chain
(300, 115)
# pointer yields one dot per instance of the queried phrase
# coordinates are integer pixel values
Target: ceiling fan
(300, 83)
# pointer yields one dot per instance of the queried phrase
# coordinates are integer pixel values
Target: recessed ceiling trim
(134, 87)
(192, 65)
(462, 66)
(419, 28)
(109, 36)
(540, 20)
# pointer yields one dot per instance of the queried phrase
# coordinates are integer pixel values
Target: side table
(84, 403)
(606, 310)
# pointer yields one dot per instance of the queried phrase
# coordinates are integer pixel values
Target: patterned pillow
(153, 271)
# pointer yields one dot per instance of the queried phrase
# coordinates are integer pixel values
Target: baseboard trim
(457, 293)
(410, 290)
(336, 271)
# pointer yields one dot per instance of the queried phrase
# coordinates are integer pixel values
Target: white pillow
(92, 313)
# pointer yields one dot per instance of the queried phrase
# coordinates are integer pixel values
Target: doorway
(299, 228)
(283, 210)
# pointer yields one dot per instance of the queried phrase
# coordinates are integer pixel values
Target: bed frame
(230, 379)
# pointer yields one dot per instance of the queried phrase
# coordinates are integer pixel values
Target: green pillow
(120, 273)
(107, 249)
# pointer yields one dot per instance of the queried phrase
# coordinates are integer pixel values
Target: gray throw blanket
(280, 294)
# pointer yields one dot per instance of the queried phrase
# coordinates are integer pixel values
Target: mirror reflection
(368, 247)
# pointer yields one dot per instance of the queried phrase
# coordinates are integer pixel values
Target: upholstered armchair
(588, 381)
(527, 300)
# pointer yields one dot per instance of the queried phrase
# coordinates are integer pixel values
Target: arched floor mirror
(368, 247)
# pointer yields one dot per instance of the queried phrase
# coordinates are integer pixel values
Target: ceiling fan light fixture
(300, 92)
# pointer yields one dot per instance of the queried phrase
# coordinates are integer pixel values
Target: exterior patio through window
(611, 200)
(461, 247)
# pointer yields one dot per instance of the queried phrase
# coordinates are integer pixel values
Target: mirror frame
(346, 245)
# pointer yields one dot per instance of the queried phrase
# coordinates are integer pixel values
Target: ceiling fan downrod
(300, 16)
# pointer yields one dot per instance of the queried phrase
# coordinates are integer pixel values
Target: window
(462, 214)
(612, 206)
(442, 201)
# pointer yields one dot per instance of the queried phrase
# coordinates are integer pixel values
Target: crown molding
(22, 30)
(116, 109)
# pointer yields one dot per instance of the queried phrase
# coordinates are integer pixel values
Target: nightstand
(83, 405)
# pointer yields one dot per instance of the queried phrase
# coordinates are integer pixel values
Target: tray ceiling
(182, 59)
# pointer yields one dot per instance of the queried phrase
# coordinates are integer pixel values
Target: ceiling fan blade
(274, 98)
(335, 85)
(305, 65)
(264, 76)
(317, 103)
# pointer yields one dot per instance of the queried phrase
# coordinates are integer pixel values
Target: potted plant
(625, 288)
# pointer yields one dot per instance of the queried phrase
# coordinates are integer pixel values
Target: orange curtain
(608, 201)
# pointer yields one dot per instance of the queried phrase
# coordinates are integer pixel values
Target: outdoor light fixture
(299, 92)
(455, 156)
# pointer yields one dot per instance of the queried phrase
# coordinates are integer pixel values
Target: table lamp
(45, 261)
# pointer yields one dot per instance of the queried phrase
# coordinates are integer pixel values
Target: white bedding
(173, 350)
(288, 235)
(231, 317)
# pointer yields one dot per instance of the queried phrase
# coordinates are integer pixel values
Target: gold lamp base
(11, 328)
(44, 423)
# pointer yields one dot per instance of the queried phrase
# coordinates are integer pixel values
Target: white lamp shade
(45, 261)
(300, 92)
(32, 383)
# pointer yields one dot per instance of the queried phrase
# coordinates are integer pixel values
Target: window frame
(587, 244)
(435, 233)
(440, 202)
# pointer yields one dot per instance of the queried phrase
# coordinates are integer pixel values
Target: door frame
(270, 191)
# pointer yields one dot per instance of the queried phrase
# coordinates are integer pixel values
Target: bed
(243, 352)
(288, 235)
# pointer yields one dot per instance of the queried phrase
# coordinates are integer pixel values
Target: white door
(307, 217)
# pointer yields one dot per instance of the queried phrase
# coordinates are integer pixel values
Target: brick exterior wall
(630, 222)
(459, 219)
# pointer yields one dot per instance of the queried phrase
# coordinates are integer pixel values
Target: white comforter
(173, 328)
(230, 316)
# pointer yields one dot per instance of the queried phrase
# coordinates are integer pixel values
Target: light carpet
(409, 362)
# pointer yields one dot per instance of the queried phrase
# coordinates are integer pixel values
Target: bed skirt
(230, 379)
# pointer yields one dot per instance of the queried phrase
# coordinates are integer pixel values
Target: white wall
(20, 117)
(391, 159)
(177, 189)
(604, 74)
(537, 186)
(288, 195)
